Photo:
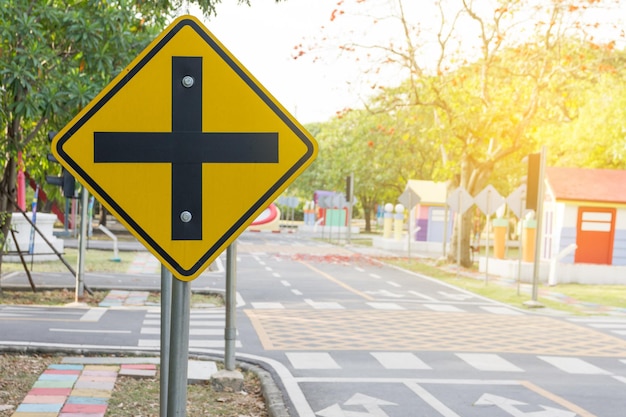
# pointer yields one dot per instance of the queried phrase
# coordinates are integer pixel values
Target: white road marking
(399, 360)
(89, 331)
(93, 314)
(296, 292)
(311, 360)
(488, 362)
(620, 378)
(386, 306)
(285, 283)
(394, 284)
(267, 306)
(573, 365)
(323, 305)
(444, 308)
(424, 296)
(431, 400)
(375, 276)
(504, 311)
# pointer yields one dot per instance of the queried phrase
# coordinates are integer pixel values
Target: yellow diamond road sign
(185, 147)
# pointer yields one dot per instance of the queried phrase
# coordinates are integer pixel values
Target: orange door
(594, 235)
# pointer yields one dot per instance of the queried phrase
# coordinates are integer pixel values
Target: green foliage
(54, 58)
(382, 149)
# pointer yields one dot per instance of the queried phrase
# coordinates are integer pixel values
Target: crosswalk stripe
(312, 360)
(620, 378)
(504, 311)
(268, 305)
(573, 365)
(399, 360)
(488, 362)
(444, 308)
(385, 306)
(324, 305)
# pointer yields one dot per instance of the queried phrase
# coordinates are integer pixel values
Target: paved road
(350, 337)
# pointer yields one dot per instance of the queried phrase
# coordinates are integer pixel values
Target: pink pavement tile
(44, 399)
(81, 415)
(84, 408)
(50, 391)
(62, 372)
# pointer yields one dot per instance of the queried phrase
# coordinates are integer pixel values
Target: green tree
(489, 71)
(383, 151)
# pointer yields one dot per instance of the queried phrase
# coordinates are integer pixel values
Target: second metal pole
(230, 331)
(82, 245)
(179, 349)
(166, 316)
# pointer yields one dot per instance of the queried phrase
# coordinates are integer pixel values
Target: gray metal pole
(230, 331)
(179, 349)
(487, 248)
(350, 198)
(538, 231)
(520, 239)
(458, 239)
(408, 227)
(82, 244)
(166, 319)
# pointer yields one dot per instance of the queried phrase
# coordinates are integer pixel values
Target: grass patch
(140, 397)
(95, 261)
(197, 299)
(18, 373)
(48, 297)
(132, 397)
(605, 295)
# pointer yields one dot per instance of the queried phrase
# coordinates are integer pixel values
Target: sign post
(230, 331)
(409, 199)
(183, 128)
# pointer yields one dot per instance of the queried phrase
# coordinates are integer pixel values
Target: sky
(263, 36)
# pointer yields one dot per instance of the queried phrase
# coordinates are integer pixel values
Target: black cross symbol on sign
(186, 147)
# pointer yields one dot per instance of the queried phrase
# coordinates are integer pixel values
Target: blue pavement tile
(87, 400)
(39, 408)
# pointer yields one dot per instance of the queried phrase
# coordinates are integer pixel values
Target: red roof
(583, 184)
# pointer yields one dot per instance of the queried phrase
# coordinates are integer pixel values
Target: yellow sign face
(185, 147)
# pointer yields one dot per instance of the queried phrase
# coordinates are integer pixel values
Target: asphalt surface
(344, 335)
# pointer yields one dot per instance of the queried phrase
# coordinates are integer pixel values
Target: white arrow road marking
(509, 405)
(371, 404)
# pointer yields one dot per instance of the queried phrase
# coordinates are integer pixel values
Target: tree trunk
(474, 178)
(466, 260)
(8, 194)
(103, 216)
